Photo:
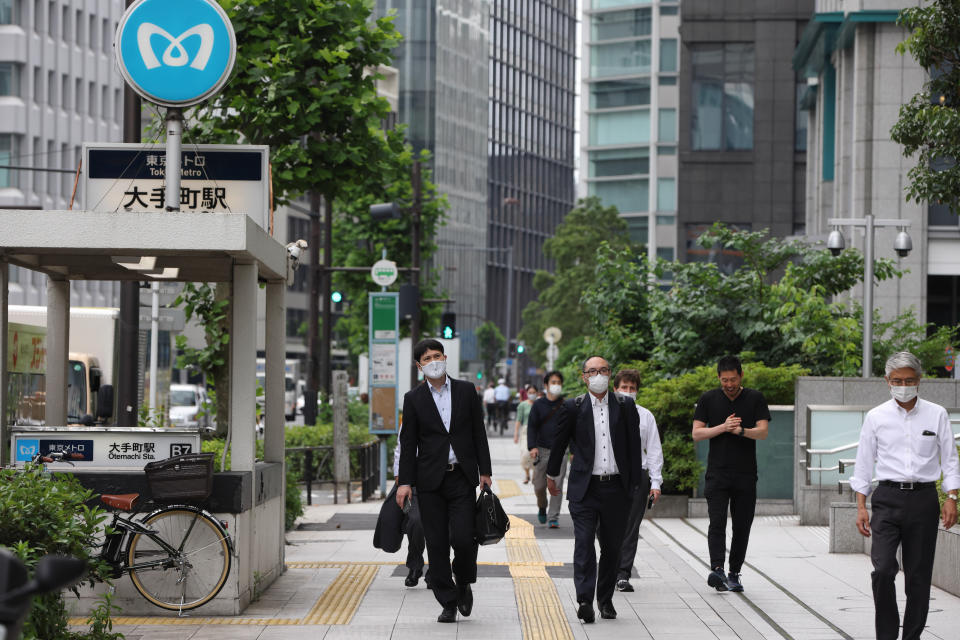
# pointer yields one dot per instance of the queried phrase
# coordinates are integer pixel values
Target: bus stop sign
(175, 53)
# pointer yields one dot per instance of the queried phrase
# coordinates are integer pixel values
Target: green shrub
(681, 469)
(42, 514)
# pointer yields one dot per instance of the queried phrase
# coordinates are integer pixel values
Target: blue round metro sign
(175, 53)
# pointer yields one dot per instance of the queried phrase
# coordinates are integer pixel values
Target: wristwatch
(741, 430)
(952, 496)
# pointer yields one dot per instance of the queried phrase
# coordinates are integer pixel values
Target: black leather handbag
(492, 522)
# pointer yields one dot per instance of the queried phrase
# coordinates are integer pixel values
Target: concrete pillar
(243, 366)
(274, 347)
(4, 397)
(58, 350)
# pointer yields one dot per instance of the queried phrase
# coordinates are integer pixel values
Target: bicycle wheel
(190, 576)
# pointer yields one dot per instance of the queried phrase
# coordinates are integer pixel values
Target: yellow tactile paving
(342, 598)
(508, 489)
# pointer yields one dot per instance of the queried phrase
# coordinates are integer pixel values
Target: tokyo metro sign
(175, 53)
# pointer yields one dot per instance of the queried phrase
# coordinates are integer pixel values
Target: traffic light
(336, 297)
(448, 326)
(512, 349)
(479, 375)
(520, 348)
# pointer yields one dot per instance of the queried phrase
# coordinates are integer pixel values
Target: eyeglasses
(605, 371)
(904, 382)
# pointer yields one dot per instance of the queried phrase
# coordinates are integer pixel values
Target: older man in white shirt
(911, 443)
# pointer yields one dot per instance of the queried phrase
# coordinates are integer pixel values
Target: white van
(186, 400)
(289, 395)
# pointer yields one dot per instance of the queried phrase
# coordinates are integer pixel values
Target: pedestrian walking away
(520, 431)
(906, 443)
(444, 456)
(732, 417)
(502, 396)
(626, 383)
(542, 427)
(490, 406)
(603, 433)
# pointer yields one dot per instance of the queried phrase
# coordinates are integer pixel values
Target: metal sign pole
(172, 172)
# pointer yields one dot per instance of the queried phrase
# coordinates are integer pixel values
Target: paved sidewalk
(338, 586)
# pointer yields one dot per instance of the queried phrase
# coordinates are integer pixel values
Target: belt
(452, 466)
(605, 477)
(907, 486)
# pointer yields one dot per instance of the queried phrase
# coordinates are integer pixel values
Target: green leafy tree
(573, 250)
(929, 124)
(491, 344)
(361, 240)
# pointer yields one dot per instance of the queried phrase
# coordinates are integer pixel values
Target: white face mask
(555, 389)
(598, 383)
(628, 394)
(904, 394)
(434, 370)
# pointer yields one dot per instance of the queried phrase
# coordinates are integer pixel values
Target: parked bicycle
(177, 554)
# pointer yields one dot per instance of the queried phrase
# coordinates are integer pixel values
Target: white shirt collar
(599, 402)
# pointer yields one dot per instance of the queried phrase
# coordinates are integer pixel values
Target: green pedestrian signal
(336, 297)
(448, 333)
(479, 375)
(520, 348)
(448, 325)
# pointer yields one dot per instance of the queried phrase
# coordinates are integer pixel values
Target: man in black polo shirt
(732, 418)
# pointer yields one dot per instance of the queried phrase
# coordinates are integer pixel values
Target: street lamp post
(902, 245)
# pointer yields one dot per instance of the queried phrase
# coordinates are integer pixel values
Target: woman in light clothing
(520, 431)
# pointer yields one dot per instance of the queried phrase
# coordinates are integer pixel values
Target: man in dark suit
(603, 432)
(444, 455)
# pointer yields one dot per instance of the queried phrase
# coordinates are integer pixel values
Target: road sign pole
(172, 172)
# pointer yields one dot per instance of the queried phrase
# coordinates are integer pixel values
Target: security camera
(835, 242)
(903, 245)
(295, 250)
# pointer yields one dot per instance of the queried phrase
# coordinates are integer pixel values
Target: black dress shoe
(624, 585)
(413, 578)
(585, 612)
(607, 612)
(449, 614)
(464, 599)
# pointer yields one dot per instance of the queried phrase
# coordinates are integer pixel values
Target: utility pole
(326, 277)
(127, 366)
(313, 313)
(415, 184)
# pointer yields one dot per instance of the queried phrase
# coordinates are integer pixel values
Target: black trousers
(738, 493)
(414, 530)
(447, 514)
(907, 519)
(638, 506)
(601, 516)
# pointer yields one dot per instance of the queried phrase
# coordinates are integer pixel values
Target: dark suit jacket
(425, 444)
(577, 430)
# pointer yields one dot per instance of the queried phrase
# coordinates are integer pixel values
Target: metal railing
(314, 465)
(842, 463)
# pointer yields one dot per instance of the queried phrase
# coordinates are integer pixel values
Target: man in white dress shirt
(911, 443)
(603, 433)
(626, 383)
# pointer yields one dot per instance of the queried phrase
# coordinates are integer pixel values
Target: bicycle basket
(187, 477)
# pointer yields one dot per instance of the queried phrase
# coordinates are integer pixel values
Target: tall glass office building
(531, 164)
(629, 115)
(443, 98)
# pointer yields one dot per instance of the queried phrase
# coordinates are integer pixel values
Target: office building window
(7, 157)
(106, 36)
(638, 227)
(619, 162)
(620, 93)
(9, 79)
(628, 196)
(939, 215)
(92, 99)
(668, 81)
(51, 88)
(728, 260)
(722, 96)
(669, 11)
(51, 18)
(7, 13)
(666, 194)
(620, 59)
(800, 130)
(611, 4)
(943, 301)
(37, 85)
(64, 91)
(105, 102)
(35, 160)
(620, 127)
(621, 24)
(668, 55)
(665, 253)
(667, 150)
(78, 28)
(78, 95)
(667, 125)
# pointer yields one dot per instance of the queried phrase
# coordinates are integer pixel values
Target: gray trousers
(540, 484)
(638, 506)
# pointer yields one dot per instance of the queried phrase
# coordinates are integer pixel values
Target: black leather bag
(388, 534)
(492, 523)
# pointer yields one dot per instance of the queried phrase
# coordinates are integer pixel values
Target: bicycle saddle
(123, 501)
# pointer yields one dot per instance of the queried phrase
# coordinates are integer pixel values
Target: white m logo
(175, 55)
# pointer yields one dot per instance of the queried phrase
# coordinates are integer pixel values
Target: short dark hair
(583, 366)
(729, 363)
(422, 346)
(630, 375)
(550, 374)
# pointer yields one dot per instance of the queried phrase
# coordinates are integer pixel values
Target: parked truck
(89, 396)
